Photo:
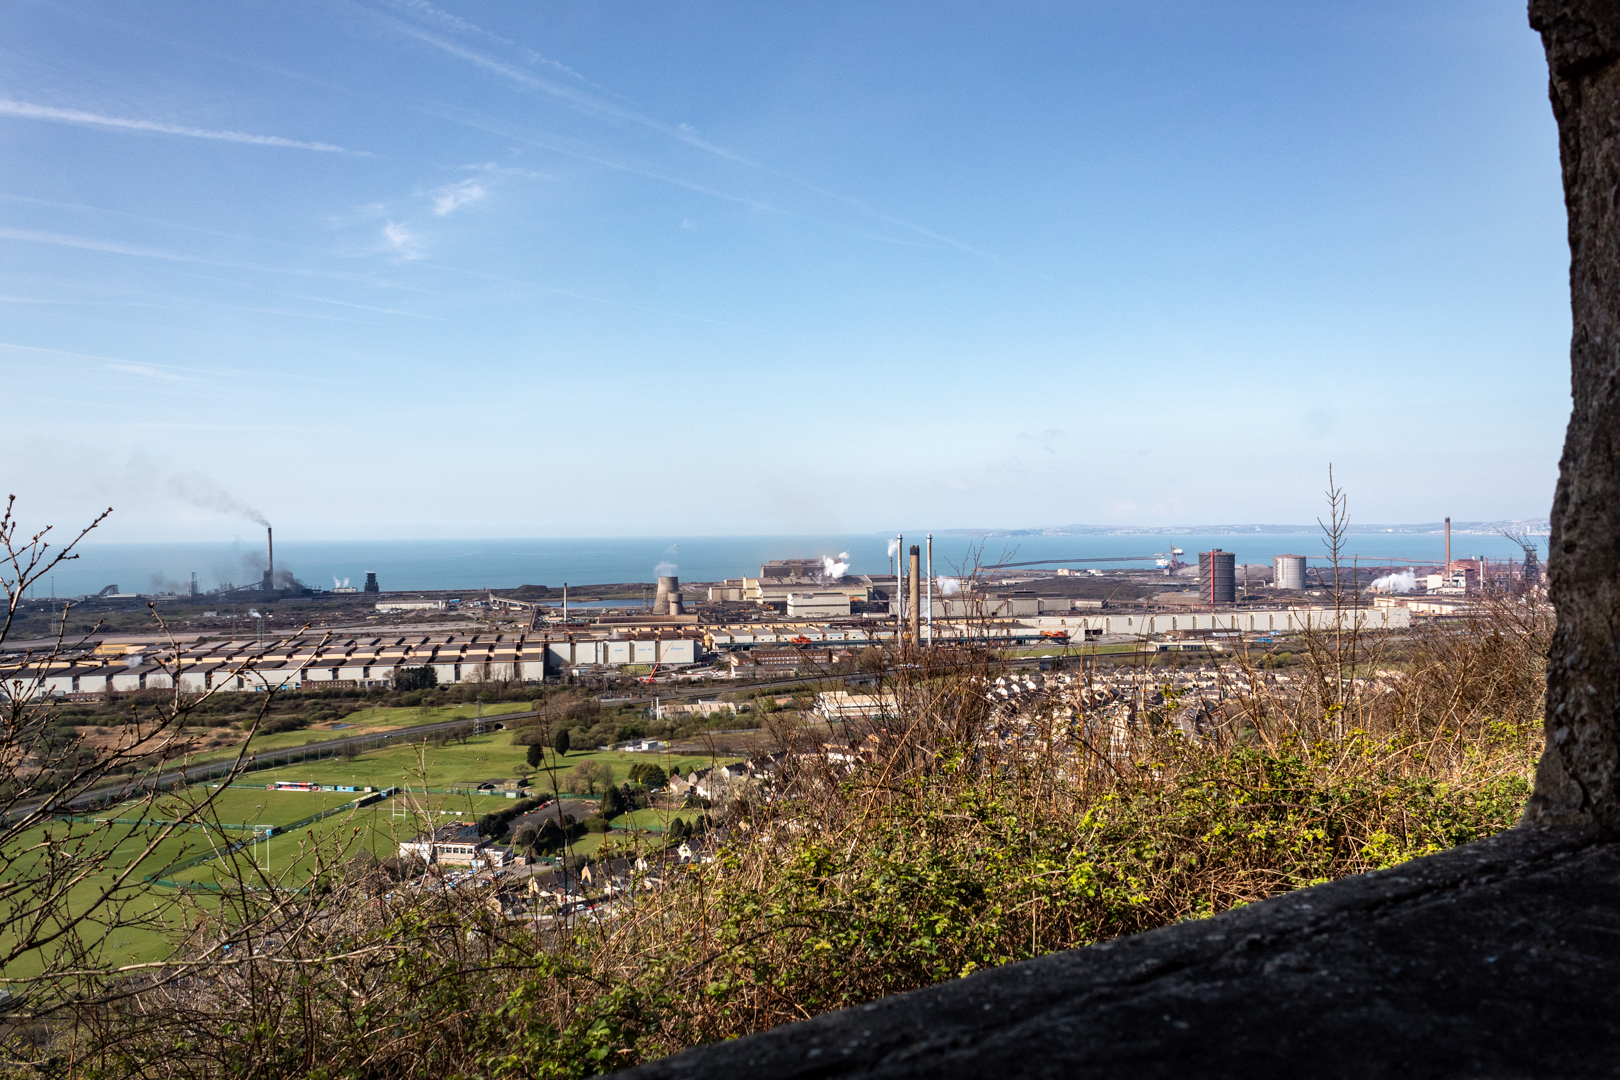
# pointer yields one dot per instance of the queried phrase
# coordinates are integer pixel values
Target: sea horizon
(507, 563)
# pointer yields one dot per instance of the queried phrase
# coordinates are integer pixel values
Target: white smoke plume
(948, 586)
(833, 568)
(894, 546)
(1403, 581)
(206, 494)
(665, 569)
(336, 584)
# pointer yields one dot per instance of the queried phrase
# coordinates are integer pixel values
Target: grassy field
(430, 772)
(366, 722)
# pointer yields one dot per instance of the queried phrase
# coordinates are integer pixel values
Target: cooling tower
(668, 600)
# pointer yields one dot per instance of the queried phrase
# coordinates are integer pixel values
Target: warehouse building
(818, 605)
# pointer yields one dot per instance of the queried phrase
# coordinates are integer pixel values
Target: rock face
(1580, 771)
(1495, 959)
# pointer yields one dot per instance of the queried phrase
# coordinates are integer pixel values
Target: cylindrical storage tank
(1217, 576)
(668, 587)
(1288, 571)
(675, 604)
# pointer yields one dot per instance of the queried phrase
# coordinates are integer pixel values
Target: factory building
(410, 605)
(728, 591)
(780, 570)
(314, 662)
(1217, 577)
(818, 605)
(577, 652)
(1461, 579)
(1288, 572)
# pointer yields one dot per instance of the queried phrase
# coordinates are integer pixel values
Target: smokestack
(930, 599)
(270, 559)
(565, 602)
(899, 586)
(913, 589)
(193, 585)
(1448, 545)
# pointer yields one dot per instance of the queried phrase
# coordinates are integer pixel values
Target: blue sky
(391, 269)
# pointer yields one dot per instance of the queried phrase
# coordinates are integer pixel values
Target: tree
(648, 774)
(536, 755)
(612, 803)
(416, 678)
(550, 835)
(560, 742)
(588, 776)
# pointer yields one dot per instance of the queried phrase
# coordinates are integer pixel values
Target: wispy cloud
(145, 371)
(428, 13)
(364, 307)
(90, 244)
(454, 196)
(28, 111)
(483, 123)
(507, 170)
(595, 106)
(114, 248)
(402, 241)
(108, 363)
(165, 372)
(80, 208)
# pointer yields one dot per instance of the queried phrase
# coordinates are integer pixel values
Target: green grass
(620, 763)
(653, 819)
(377, 828)
(368, 721)
(121, 845)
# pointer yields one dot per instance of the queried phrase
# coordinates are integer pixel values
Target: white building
(817, 605)
(455, 844)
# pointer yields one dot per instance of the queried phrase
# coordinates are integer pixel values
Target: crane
(1532, 564)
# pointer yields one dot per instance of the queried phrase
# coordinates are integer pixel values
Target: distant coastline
(1524, 526)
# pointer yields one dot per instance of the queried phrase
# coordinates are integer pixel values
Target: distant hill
(1527, 526)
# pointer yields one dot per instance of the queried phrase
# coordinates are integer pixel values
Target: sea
(471, 565)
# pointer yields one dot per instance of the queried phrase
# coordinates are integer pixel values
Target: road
(192, 774)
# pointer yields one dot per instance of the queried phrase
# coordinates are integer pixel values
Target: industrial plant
(796, 613)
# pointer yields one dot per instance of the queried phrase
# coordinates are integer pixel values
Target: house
(455, 844)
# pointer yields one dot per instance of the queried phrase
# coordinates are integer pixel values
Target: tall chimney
(1448, 545)
(929, 600)
(899, 587)
(270, 553)
(914, 589)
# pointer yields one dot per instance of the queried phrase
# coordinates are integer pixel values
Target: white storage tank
(1288, 571)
